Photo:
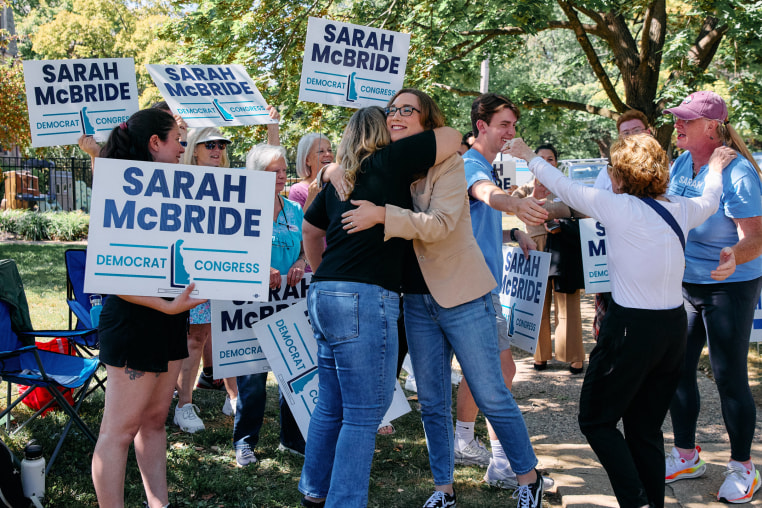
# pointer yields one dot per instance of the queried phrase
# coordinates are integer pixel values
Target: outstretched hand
(183, 301)
(727, 265)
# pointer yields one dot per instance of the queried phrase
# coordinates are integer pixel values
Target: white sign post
(69, 98)
(155, 228)
(592, 236)
(211, 95)
(290, 347)
(236, 349)
(522, 294)
(352, 65)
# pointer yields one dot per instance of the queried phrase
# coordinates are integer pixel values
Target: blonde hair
(194, 135)
(303, 150)
(730, 137)
(640, 165)
(365, 133)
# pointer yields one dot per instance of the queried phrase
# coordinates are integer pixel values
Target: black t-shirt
(384, 177)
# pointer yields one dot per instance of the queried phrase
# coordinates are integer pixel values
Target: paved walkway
(549, 401)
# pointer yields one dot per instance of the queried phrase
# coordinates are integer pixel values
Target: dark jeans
(250, 412)
(720, 315)
(633, 372)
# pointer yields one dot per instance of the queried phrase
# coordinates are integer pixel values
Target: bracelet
(513, 234)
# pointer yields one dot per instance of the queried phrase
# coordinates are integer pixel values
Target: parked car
(584, 171)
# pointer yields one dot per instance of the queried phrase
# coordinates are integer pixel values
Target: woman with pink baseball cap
(720, 299)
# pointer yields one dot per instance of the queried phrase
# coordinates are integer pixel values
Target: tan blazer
(450, 259)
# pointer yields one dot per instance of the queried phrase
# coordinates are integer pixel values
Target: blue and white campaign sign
(235, 348)
(155, 228)
(69, 98)
(352, 65)
(592, 239)
(211, 95)
(522, 294)
(289, 344)
(510, 171)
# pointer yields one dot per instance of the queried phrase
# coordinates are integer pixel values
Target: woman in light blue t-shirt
(720, 300)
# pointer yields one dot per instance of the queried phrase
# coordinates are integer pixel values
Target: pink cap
(702, 104)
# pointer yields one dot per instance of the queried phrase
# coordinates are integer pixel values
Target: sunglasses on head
(403, 111)
(219, 144)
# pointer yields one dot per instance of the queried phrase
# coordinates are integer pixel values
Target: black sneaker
(312, 504)
(209, 383)
(440, 499)
(530, 496)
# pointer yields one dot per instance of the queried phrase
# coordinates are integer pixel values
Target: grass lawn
(201, 468)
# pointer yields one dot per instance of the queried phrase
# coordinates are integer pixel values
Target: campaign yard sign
(236, 349)
(69, 98)
(522, 294)
(352, 65)
(592, 236)
(155, 228)
(211, 95)
(289, 344)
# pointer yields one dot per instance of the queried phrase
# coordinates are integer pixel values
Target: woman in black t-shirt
(354, 304)
(143, 343)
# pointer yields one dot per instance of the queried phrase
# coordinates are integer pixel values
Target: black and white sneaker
(530, 496)
(440, 499)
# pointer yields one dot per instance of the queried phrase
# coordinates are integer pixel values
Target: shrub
(31, 225)
(68, 226)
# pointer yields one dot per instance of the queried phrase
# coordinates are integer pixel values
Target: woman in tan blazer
(447, 305)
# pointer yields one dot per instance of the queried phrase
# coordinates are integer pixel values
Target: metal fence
(63, 184)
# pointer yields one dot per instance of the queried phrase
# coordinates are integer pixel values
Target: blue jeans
(470, 331)
(250, 412)
(355, 326)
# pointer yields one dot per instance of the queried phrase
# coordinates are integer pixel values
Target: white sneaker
(244, 457)
(740, 483)
(678, 468)
(410, 384)
(503, 478)
(187, 419)
(506, 478)
(228, 408)
(474, 454)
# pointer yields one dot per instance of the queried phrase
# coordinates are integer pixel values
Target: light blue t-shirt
(287, 237)
(741, 198)
(486, 222)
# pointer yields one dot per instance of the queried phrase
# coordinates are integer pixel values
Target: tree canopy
(572, 62)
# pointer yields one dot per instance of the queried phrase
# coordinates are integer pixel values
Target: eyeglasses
(633, 131)
(403, 111)
(219, 144)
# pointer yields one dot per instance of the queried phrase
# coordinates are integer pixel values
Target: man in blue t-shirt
(493, 119)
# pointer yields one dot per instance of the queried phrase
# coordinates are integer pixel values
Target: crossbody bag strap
(658, 208)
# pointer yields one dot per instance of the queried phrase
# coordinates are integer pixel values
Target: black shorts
(139, 337)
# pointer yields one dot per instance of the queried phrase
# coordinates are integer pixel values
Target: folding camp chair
(79, 307)
(79, 301)
(21, 363)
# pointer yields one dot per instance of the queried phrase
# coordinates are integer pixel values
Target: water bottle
(96, 306)
(33, 470)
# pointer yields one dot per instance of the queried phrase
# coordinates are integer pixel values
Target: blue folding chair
(79, 301)
(21, 363)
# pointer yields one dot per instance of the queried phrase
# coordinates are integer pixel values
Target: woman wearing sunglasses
(205, 147)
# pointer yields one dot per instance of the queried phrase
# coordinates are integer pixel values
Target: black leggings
(720, 315)
(632, 376)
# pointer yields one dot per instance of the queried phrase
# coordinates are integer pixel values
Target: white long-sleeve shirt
(645, 258)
